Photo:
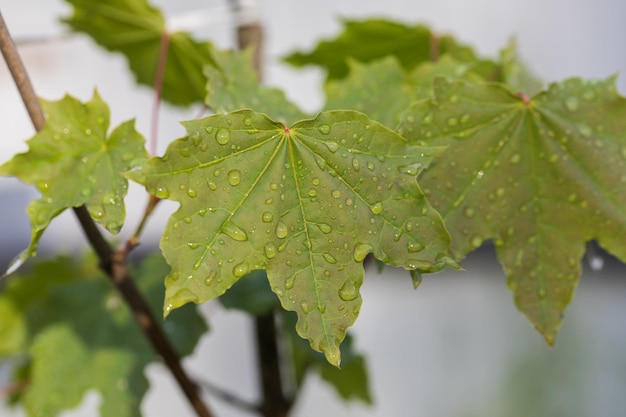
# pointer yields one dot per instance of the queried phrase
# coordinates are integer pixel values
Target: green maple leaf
(136, 29)
(539, 176)
(306, 203)
(233, 85)
(79, 335)
(384, 90)
(72, 163)
(372, 39)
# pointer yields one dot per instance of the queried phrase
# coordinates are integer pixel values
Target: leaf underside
(540, 177)
(72, 163)
(305, 203)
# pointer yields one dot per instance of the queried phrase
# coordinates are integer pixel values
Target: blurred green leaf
(234, 85)
(79, 336)
(372, 39)
(136, 29)
(541, 177)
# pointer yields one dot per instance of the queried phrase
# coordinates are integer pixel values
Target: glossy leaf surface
(539, 176)
(78, 335)
(73, 162)
(306, 203)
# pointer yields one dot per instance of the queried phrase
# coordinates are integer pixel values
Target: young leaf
(100, 348)
(233, 85)
(136, 29)
(306, 203)
(72, 163)
(372, 39)
(540, 177)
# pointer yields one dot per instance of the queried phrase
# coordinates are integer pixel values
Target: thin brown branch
(228, 397)
(114, 264)
(275, 403)
(13, 388)
(19, 74)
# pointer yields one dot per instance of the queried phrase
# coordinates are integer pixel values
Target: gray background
(455, 347)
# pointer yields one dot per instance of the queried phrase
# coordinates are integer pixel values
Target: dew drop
(184, 152)
(349, 202)
(465, 118)
(315, 181)
(324, 129)
(234, 177)
(476, 241)
(377, 208)
(348, 291)
(325, 228)
(312, 192)
(212, 185)
(361, 250)
(193, 245)
(332, 146)
(412, 169)
(162, 192)
(355, 164)
(192, 193)
(335, 193)
(541, 293)
(240, 270)
(281, 230)
(235, 232)
(329, 258)
(247, 121)
(270, 250)
(267, 217)
(222, 136)
(209, 280)
(515, 159)
(469, 212)
(97, 212)
(415, 247)
(416, 277)
(370, 166)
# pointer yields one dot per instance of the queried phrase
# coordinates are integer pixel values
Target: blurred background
(456, 346)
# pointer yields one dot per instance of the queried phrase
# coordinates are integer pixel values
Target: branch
(114, 264)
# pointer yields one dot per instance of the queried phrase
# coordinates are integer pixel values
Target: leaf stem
(114, 264)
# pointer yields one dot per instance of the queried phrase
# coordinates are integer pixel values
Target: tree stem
(115, 264)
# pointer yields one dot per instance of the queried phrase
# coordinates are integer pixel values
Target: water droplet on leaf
(234, 177)
(348, 291)
(222, 136)
(234, 232)
(324, 129)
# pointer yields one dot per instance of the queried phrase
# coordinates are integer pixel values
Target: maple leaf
(72, 163)
(372, 39)
(233, 85)
(136, 29)
(384, 90)
(539, 176)
(67, 355)
(306, 203)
